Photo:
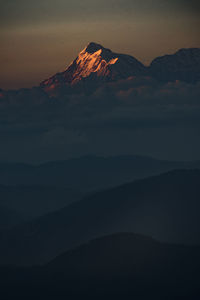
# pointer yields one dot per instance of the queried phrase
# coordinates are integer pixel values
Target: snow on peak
(96, 63)
(93, 47)
(93, 59)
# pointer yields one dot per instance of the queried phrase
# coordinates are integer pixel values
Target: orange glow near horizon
(30, 55)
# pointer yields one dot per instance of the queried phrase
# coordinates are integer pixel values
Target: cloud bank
(133, 116)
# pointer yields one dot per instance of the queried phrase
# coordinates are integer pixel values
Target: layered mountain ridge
(165, 207)
(96, 64)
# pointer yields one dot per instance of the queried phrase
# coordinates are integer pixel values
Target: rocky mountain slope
(184, 65)
(95, 65)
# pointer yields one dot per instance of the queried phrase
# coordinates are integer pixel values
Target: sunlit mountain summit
(96, 65)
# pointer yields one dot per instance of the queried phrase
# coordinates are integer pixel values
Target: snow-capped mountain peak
(95, 63)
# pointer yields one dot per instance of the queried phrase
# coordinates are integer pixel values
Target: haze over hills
(165, 207)
(33, 201)
(87, 173)
(28, 191)
(100, 150)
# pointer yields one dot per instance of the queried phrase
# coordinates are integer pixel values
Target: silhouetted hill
(89, 172)
(112, 267)
(120, 250)
(184, 65)
(166, 207)
(33, 201)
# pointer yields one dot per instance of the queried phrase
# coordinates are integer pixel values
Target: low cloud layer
(134, 116)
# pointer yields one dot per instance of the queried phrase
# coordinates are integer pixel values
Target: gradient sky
(41, 37)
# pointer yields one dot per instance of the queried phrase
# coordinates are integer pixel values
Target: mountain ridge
(183, 65)
(96, 63)
(101, 171)
(150, 207)
(116, 266)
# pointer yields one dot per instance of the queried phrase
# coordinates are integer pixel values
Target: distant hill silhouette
(34, 201)
(88, 172)
(184, 65)
(166, 207)
(119, 266)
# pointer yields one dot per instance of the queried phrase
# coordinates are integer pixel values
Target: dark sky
(39, 38)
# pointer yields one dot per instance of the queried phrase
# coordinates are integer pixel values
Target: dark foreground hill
(120, 266)
(166, 207)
